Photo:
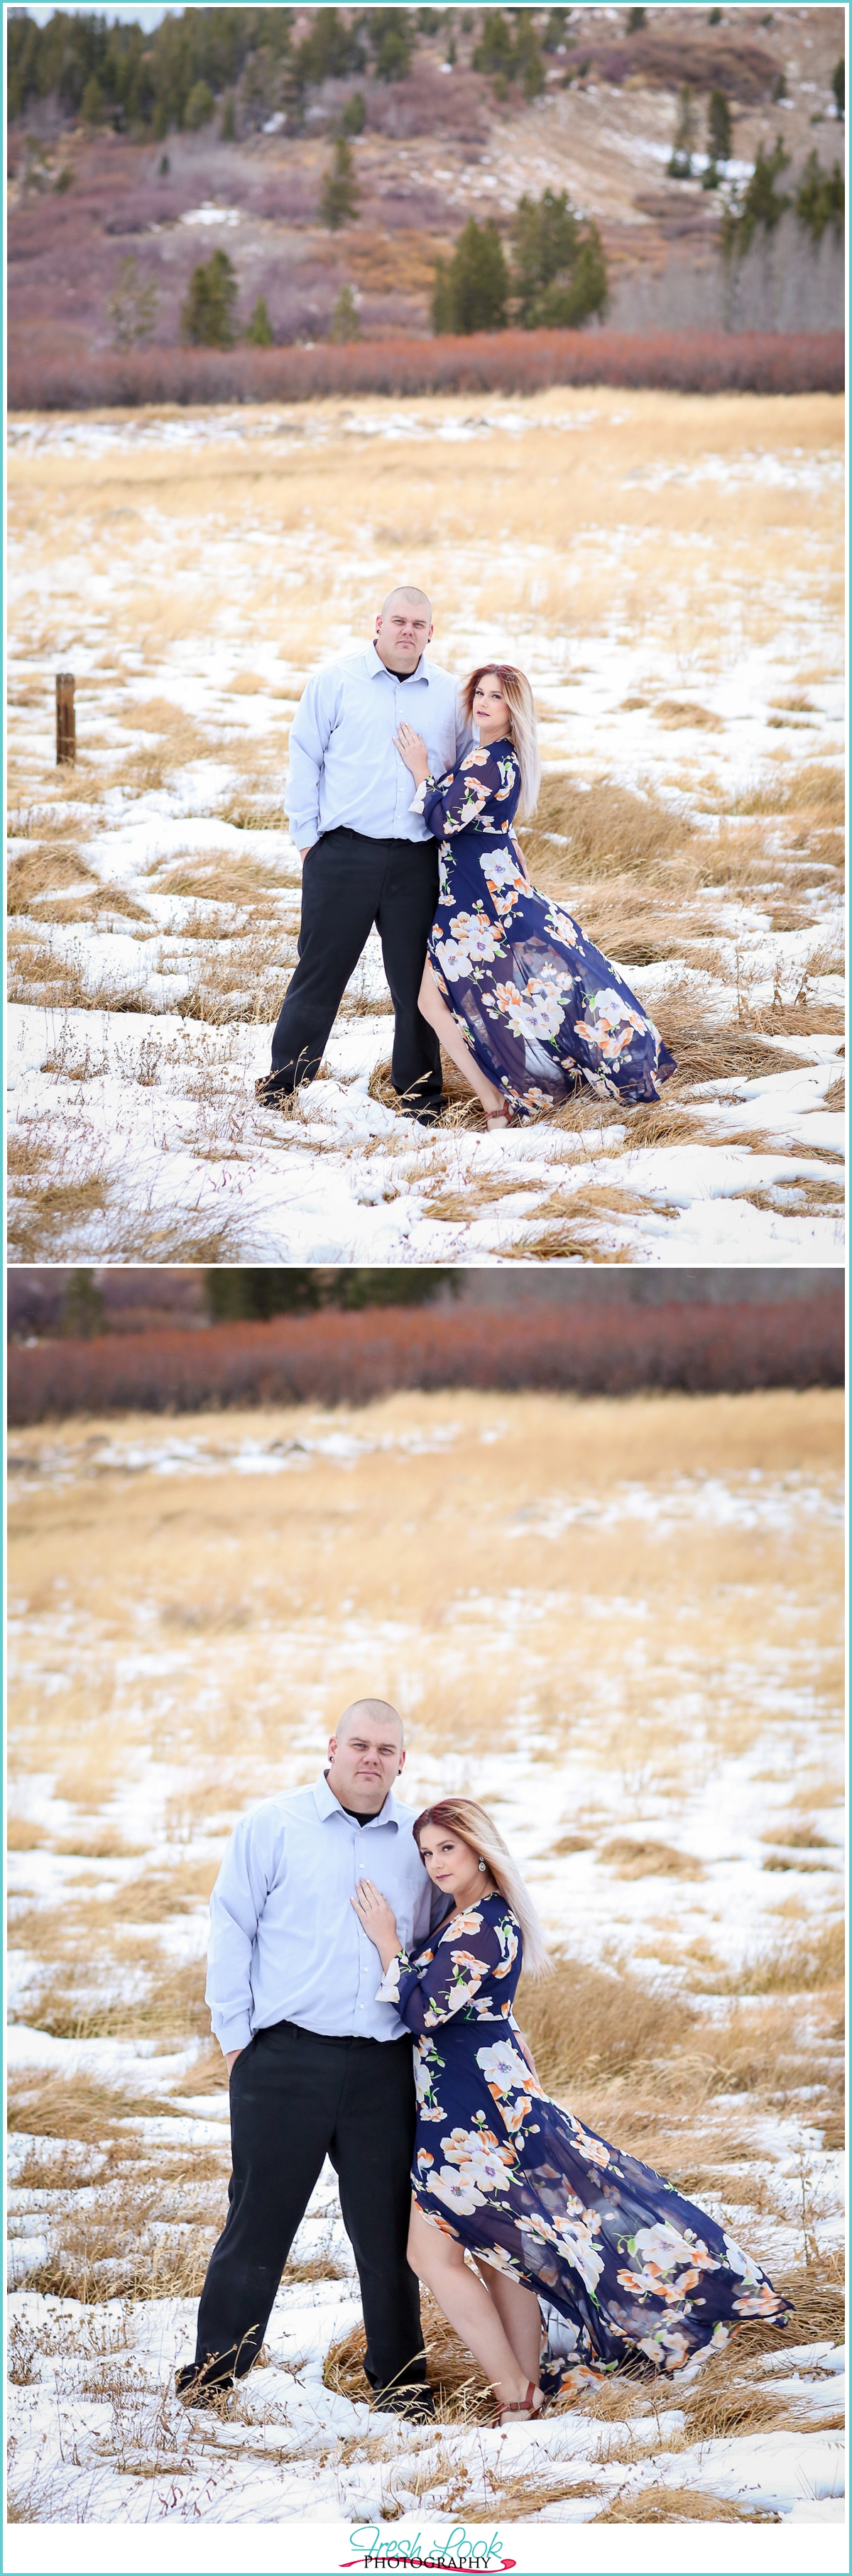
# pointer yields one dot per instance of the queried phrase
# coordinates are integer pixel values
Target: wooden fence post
(66, 731)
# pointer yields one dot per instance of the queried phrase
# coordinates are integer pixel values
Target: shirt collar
(374, 663)
(328, 1805)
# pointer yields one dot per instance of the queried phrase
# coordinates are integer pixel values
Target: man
(317, 2067)
(367, 857)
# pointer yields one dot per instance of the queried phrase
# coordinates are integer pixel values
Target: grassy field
(616, 1623)
(667, 568)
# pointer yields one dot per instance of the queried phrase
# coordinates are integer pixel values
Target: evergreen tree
(354, 114)
(206, 314)
(528, 65)
(442, 307)
(391, 37)
(83, 1309)
(495, 51)
(838, 84)
(92, 102)
(259, 331)
(199, 107)
(559, 275)
(340, 191)
(229, 120)
(718, 126)
(635, 21)
(761, 205)
(556, 31)
(821, 198)
(471, 292)
(345, 318)
(680, 165)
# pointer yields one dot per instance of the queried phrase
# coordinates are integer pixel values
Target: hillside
(91, 193)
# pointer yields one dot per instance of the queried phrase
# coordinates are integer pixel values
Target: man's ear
(332, 1747)
(402, 1760)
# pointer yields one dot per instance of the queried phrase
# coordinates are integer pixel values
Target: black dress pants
(295, 2099)
(348, 883)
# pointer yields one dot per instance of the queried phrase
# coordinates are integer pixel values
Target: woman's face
(451, 1863)
(490, 711)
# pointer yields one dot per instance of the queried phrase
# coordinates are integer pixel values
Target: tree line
(171, 77)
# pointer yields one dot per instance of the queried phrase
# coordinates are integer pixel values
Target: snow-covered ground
(147, 982)
(673, 1798)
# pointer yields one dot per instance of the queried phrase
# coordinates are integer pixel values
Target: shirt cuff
(304, 834)
(233, 2034)
(389, 1989)
(416, 805)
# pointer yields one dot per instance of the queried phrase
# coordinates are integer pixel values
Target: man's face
(403, 630)
(364, 1762)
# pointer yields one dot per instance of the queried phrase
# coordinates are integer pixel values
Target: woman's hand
(377, 1920)
(412, 750)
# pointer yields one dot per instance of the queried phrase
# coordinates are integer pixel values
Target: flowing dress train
(628, 2264)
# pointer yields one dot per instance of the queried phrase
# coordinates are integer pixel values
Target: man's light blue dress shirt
(285, 1942)
(344, 765)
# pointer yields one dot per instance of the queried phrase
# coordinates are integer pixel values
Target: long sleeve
(236, 1906)
(310, 735)
(456, 1971)
(484, 779)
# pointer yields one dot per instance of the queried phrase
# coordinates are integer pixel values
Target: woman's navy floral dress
(628, 2265)
(535, 1002)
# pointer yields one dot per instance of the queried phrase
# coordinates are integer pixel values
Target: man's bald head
(366, 1755)
(410, 597)
(379, 1712)
(403, 629)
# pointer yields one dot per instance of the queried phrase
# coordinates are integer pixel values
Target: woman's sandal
(521, 2405)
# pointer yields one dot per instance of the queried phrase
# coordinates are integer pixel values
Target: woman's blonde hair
(462, 1816)
(522, 725)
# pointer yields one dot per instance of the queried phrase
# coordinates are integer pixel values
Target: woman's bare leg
(520, 2318)
(439, 2261)
(434, 1009)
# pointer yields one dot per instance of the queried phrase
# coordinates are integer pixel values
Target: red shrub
(347, 1359)
(515, 362)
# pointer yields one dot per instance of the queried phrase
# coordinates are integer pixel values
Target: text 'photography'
(425, 1283)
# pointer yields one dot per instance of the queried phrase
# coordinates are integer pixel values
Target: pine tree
(229, 120)
(821, 198)
(471, 292)
(559, 275)
(442, 308)
(354, 114)
(340, 191)
(259, 331)
(207, 310)
(718, 126)
(199, 107)
(680, 165)
(761, 205)
(838, 84)
(345, 318)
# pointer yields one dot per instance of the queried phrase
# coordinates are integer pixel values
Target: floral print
(537, 1005)
(621, 2264)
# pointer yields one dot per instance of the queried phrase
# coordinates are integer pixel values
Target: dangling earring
(483, 1864)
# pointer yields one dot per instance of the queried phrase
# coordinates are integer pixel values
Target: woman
(545, 2207)
(518, 996)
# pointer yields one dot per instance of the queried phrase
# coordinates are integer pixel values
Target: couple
(343, 1929)
(477, 961)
